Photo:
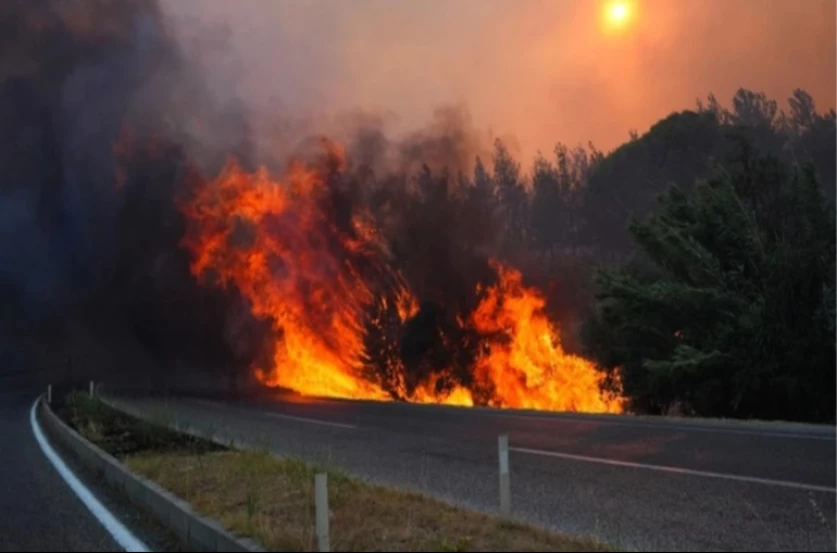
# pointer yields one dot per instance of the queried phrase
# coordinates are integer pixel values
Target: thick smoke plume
(100, 110)
(539, 71)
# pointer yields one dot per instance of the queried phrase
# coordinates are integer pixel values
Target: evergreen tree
(728, 307)
(548, 210)
(512, 195)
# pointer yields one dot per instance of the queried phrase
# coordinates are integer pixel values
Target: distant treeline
(579, 199)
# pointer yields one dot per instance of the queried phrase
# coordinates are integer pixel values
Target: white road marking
(209, 403)
(116, 529)
(627, 420)
(276, 415)
(676, 470)
(312, 421)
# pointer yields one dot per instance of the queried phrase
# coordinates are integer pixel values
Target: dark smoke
(98, 113)
(109, 125)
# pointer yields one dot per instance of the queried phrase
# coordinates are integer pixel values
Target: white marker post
(92, 389)
(505, 482)
(321, 508)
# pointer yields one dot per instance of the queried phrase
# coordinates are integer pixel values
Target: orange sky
(537, 70)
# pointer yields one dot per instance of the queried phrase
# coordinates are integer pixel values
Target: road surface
(637, 483)
(38, 509)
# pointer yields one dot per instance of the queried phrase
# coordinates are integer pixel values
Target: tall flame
(271, 240)
(524, 360)
(321, 278)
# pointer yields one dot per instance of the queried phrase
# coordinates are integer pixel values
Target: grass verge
(122, 435)
(271, 500)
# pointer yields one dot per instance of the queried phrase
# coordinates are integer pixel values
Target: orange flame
(319, 285)
(279, 264)
(426, 393)
(524, 361)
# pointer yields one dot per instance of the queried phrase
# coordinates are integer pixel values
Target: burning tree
(309, 255)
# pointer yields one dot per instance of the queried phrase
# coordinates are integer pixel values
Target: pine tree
(728, 307)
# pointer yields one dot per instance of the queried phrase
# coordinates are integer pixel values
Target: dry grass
(272, 501)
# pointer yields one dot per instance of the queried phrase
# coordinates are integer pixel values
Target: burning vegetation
(395, 267)
(312, 258)
(372, 268)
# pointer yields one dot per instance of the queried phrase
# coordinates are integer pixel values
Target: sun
(617, 13)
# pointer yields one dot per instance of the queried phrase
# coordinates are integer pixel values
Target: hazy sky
(538, 70)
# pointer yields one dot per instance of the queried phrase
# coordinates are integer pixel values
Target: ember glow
(326, 281)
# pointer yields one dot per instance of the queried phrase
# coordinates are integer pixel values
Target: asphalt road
(637, 483)
(38, 511)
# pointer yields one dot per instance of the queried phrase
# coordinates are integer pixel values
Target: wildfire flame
(525, 362)
(321, 278)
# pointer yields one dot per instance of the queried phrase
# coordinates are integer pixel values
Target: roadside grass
(122, 435)
(271, 499)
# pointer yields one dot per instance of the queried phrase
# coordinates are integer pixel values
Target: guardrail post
(49, 394)
(505, 483)
(321, 508)
(92, 389)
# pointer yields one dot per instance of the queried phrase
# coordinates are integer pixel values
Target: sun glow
(617, 14)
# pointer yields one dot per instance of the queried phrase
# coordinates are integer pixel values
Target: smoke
(115, 113)
(532, 73)
(101, 111)
(65, 80)
(111, 121)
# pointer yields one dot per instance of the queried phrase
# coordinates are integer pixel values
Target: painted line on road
(312, 421)
(673, 427)
(209, 403)
(626, 420)
(676, 470)
(116, 529)
(276, 415)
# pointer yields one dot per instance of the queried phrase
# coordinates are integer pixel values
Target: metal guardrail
(197, 532)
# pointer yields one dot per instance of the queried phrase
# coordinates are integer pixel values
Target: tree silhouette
(729, 308)
(514, 200)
